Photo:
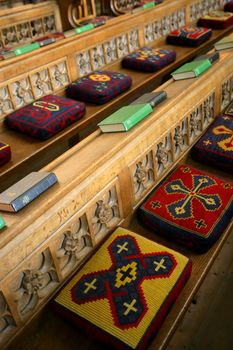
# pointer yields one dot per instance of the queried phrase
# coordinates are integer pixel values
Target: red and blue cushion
(189, 36)
(216, 20)
(216, 145)
(99, 87)
(149, 60)
(46, 116)
(191, 207)
(132, 282)
(5, 153)
(228, 6)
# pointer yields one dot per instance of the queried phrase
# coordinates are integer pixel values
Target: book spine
(2, 222)
(214, 57)
(84, 28)
(25, 49)
(34, 192)
(137, 117)
(149, 5)
(158, 99)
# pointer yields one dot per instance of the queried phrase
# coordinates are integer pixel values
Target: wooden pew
(51, 69)
(102, 172)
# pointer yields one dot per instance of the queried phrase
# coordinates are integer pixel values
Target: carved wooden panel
(7, 322)
(110, 51)
(34, 282)
(122, 45)
(226, 92)
(201, 8)
(162, 26)
(83, 63)
(133, 40)
(163, 154)
(105, 213)
(72, 244)
(26, 89)
(97, 57)
(24, 32)
(143, 175)
(180, 138)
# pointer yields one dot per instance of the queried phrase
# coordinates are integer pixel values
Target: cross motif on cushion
(131, 282)
(195, 208)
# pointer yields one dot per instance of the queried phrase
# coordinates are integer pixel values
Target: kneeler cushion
(189, 36)
(123, 293)
(99, 86)
(216, 145)
(5, 153)
(148, 59)
(191, 207)
(229, 6)
(216, 20)
(46, 116)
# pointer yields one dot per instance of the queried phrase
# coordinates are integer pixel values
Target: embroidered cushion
(99, 87)
(5, 153)
(148, 59)
(216, 145)
(216, 20)
(192, 207)
(229, 6)
(46, 116)
(189, 36)
(132, 282)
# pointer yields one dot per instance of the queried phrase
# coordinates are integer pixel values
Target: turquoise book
(191, 70)
(25, 49)
(2, 222)
(125, 118)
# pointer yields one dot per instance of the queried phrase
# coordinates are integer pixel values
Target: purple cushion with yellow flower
(216, 145)
(148, 59)
(46, 116)
(5, 153)
(99, 87)
(189, 36)
(191, 207)
(216, 20)
(123, 293)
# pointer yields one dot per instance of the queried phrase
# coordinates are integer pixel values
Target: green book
(27, 48)
(149, 5)
(85, 28)
(191, 70)
(224, 43)
(2, 222)
(125, 117)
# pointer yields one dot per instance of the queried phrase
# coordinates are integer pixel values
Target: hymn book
(26, 190)
(125, 117)
(191, 70)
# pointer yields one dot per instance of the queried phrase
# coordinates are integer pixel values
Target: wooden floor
(208, 324)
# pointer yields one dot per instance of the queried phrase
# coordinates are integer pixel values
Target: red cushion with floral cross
(99, 87)
(189, 36)
(123, 293)
(5, 153)
(228, 6)
(216, 145)
(149, 60)
(216, 20)
(191, 207)
(46, 116)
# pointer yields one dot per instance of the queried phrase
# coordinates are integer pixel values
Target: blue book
(26, 190)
